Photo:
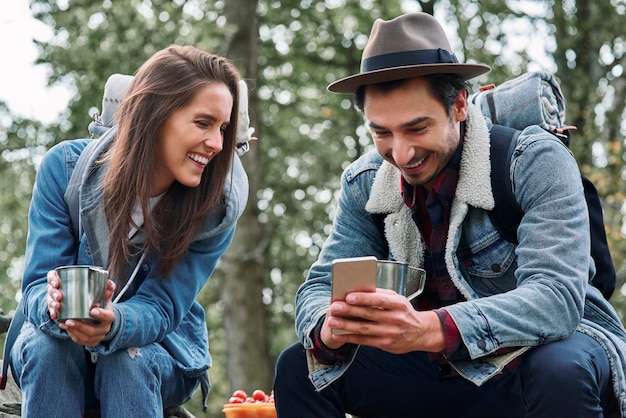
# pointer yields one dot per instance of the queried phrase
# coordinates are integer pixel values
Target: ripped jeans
(58, 379)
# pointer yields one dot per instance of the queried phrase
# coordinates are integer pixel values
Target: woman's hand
(89, 333)
(55, 295)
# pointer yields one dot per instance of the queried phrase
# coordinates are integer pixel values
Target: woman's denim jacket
(160, 310)
(516, 296)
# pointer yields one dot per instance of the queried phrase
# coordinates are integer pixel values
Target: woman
(159, 202)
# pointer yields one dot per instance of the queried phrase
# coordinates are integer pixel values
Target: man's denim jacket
(516, 296)
(160, 310)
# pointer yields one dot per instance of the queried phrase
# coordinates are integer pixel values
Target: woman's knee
(33, 345)
(126, 362)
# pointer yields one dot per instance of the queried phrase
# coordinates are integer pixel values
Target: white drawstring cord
(132, 278)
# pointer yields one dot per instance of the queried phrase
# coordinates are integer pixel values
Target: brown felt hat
(410, 45)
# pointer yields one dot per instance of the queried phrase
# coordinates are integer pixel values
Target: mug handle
(416, 279)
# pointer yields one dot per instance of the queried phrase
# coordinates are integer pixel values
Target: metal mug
(82, 287)
(403, 279)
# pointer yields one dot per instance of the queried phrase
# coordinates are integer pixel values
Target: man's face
(412, 131)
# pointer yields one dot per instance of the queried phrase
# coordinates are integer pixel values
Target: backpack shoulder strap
(72, 194)
(604, 279)
(506, 214)
(12, 333)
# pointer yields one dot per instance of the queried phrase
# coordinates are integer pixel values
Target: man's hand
(392, 323)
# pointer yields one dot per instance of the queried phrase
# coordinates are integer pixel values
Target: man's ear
(459, 109)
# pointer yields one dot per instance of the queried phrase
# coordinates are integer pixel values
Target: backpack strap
(12, 333)
(72, 192)
(605, 269)
(507, 213)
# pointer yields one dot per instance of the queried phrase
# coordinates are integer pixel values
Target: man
(499, 330)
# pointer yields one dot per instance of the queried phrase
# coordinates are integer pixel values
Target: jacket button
(496, 268)
(481, 344)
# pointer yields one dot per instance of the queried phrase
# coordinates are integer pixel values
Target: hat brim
(352, 83)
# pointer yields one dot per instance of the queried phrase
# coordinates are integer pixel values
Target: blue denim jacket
(516, 296)
(163, 311)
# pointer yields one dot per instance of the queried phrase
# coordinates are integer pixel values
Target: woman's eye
(202, 124)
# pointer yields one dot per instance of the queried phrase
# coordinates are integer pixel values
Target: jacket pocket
(489, 265)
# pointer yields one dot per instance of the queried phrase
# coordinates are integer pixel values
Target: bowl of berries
(257, 405)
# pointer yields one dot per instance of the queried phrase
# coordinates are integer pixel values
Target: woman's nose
(214, 141)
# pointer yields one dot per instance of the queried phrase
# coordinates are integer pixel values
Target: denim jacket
(159, 310)
(516, 296)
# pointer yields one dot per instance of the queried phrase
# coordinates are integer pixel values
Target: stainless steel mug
(403, 279)
(82, 287)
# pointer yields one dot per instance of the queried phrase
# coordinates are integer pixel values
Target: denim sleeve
(50, 241)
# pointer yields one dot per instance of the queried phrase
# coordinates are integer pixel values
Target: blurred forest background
(289, 51)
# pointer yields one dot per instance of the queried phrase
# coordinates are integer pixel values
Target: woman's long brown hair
(168, 81)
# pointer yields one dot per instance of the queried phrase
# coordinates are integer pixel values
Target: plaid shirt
(431, 213)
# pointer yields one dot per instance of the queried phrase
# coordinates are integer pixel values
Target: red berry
(259, 395)
(235, 399)
(240, 394)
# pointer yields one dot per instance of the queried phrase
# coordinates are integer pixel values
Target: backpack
(517, 103)
(507, 215)
(533, 98)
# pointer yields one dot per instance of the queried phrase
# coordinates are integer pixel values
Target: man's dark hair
(444, 88)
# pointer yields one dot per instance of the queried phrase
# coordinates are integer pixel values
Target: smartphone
(357, 274)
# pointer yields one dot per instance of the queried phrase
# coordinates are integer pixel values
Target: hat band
(406, 58)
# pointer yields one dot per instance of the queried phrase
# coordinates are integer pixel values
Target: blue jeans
(58, 379)
(569, 378)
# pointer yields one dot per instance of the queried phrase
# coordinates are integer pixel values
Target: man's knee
(575, 365)
(291, 359)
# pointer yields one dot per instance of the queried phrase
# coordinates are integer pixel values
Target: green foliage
(23, 143)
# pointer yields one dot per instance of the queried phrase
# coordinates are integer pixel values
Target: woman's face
(191, 137)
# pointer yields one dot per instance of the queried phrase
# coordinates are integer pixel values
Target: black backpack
(507, 214)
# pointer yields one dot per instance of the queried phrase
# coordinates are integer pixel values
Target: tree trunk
(249, 365)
